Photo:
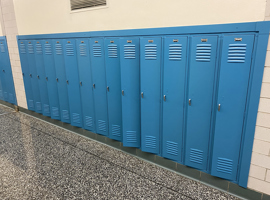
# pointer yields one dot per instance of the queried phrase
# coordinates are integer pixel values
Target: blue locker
(61, 79)
(99, 84)
(3, 76)
(175, 59)
(42, 79)
(150, 49)
(33, 76)
(73, 83)
(231, 104)
(130, 86)
(113, 76)
(203, 50)
(85, 76)
(51, 78)
(26, 74)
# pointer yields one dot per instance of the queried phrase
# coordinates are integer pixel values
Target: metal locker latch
(123, 92)
(67, 81)
(108, 88)
(46, 78)
(38, 76)
(142, 94)
(30, 75)
(94, 85)
(164, 97)
(189, 102)
(3, 70)
(57, 79)
(219, 107)
(80, 83)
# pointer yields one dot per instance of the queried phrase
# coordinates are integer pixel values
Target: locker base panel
(169, 165)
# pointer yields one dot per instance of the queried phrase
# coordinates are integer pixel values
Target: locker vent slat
(48, 49)
(30, 48)
(116, 130)
(150, 142)
(76, 118)
(175, 51)
(2, 48)
(131, 136)
(224, 165)
(237, 53)
(5, 95)
(58, 49)
(55, 111)
(38, 49)
(31, 103)
(65, 114)
(129, 51)
(112, 51)
(88, 121)
(172, 148)
(69, 49)
(196, 156)
(46, 108)
(22, 47)
(97, 50)
(203, 52)
(150, 52)
(38, 105)
(83, 51)
(102, 125)
(11, 97)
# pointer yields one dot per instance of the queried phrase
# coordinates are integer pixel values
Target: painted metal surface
(150, 62)
(85, 78)
(130, 89)
(174, 73)
(60, 72)
(73, 83)
(113, 78)
(51, 78)
(99, 84)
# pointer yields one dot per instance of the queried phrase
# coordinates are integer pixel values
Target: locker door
(51, 79)
(33, 76)
(99, 84)
(130, 86)
(3, 73)
(85, 76)
(175, 53)
(199, 101)
(73, 83)
(231, 103)
(150, 49)
(1, 90)
(113, 76)
(60, 72)
(42, 79)
(26, 74)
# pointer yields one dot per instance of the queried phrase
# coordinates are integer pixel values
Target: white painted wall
(54, 16)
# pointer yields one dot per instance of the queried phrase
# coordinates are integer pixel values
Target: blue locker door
(150, 50)
(61, 79)
(130, 86)
(99, 84)
(175, 56)
(199, 100)
(51, 78)
(73, 83)
(3, 76)
(33, 76)
(42, 79)
(113, 76)
(231, 103)
(85, 76)
(26, 74)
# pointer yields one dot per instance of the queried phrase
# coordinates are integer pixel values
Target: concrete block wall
(9, 28)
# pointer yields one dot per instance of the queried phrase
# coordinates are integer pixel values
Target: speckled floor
(39, 160)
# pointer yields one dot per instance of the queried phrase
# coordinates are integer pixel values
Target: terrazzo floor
(39, 160)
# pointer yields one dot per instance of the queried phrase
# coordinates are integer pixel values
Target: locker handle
(189, 102)
(123, 92)
(3, 70)
(94, 85)
(46, 78)
(108, 88)
(30, 75)
(57, 79)
(67, 81)
(38, 76)
(142, 94)
(80, 83)
(219, 107)
(164, 97)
